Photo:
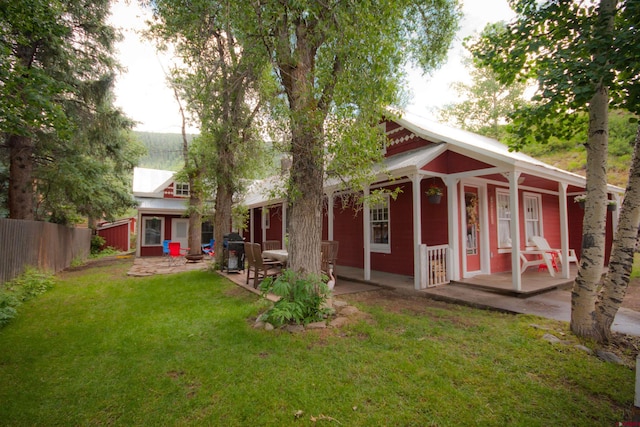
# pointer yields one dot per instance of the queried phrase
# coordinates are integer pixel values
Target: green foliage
(21, 289)
(568, 48)
(301, 299)
(97, 242)
(57, 70)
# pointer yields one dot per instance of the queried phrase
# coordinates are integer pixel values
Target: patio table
(277, 254)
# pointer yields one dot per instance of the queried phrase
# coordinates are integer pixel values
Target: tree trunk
(621, 262)
(195, 220)
(222, 216)
(21, 192)
(584, 294)
(306, 201)
(585, 287)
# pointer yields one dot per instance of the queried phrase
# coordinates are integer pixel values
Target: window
(206, 232)
(532, 216)
(504, 219)
(181, 189)
(379, 223)
(152, 231)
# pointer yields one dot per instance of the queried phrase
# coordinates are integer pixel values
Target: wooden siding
(116, 236)
(43, 245)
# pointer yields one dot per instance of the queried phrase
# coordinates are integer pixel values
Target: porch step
(528, 290)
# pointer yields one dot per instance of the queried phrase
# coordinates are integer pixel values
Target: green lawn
(104, 349)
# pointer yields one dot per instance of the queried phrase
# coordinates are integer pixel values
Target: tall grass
(102, 348)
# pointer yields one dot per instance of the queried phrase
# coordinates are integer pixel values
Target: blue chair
(165, 247)
(207, 248)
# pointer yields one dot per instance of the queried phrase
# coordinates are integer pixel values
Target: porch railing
(433, 265)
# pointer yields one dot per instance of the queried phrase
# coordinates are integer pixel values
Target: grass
(105, 349)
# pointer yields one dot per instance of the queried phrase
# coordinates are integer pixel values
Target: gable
(401, 140)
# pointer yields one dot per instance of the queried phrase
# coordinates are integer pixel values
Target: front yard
(105, 349)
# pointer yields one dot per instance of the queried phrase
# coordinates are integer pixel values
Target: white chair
(542, 244)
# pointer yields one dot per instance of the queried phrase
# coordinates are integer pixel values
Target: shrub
(301, 299)
(23, 288)
(97, 242)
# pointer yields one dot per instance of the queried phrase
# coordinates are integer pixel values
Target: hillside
(164, 150)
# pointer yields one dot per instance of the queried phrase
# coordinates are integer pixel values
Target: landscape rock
(339, 304)
(536, 326)
(259, 324)
(551, 338)
(584, 348)
(349, 311)
(317, 325)
(268, 327)
(607, 356)
(338, 322)
(294, 328)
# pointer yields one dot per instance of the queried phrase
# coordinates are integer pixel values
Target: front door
(472, 236)
(180, 231)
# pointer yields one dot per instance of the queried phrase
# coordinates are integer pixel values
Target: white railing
(433, 265)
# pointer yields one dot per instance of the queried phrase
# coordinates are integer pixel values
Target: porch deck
(533, 281)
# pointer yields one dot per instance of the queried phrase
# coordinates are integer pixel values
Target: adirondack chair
(542, 244)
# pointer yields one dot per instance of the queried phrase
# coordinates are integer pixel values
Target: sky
(143, 94)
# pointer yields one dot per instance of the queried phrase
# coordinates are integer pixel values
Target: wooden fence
(46, 246)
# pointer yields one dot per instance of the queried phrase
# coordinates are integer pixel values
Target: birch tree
(579, 53)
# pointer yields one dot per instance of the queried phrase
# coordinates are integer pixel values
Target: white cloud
(143, 94)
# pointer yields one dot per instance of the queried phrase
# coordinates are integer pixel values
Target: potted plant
(580, 199)
(434, 193)
(611, 205)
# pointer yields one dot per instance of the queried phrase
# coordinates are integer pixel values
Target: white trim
(182, 189)
(384, 248)
(417, 229)
(143, 237)
(538, 198)
(366, 234)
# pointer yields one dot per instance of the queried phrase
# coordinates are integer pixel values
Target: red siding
(117, 236)
(347, 229)
(274, 232)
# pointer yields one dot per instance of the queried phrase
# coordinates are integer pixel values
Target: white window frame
(526, 199)
(181, 189)
(380, 247)
(144, 230)
(506, 219)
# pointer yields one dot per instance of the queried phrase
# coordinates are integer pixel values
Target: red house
(162, 211)
(470, 231)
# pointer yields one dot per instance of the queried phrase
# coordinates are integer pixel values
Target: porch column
(330, 215)
(417, 229)
(453, 211)
(251, 221)
(263, 222)
(366, 232)
(284, 224)
(564, 228)
(139, 234)
(516, 276)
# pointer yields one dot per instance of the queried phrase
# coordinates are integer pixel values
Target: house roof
(150, 182)
(445, 138)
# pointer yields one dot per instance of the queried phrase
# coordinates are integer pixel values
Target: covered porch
(533, 281)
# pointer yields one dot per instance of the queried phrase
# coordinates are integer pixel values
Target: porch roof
(170, 206)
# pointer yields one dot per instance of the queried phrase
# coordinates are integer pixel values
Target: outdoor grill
(233, 253)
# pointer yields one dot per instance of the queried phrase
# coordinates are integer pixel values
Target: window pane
(504, 220)
(152, 231)
(379, 223)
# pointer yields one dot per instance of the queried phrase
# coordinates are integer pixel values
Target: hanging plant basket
(435, 199)
(611, 207)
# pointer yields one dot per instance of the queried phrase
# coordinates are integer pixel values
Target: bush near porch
(103, 348)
